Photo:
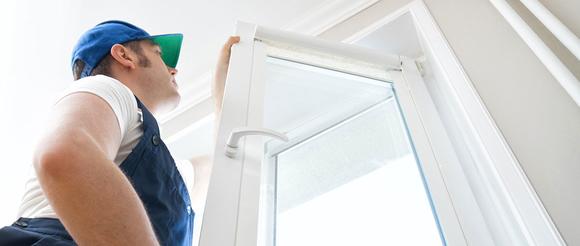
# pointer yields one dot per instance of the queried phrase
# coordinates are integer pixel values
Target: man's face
(158, 79)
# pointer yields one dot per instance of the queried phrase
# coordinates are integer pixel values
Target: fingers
(226, 50)
(234, 39)
(231, 41)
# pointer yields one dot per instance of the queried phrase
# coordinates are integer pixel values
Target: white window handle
(237, 133)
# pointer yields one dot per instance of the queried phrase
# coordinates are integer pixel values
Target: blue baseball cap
(96, 43)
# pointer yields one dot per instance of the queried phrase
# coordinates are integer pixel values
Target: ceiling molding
(326, 15)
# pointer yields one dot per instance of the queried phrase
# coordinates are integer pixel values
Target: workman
(103, 175)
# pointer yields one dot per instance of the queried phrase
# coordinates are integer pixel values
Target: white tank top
(123, 103)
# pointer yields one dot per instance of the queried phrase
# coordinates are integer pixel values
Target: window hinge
(420, 63)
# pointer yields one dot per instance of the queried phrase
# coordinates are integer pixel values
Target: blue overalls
(154, 176)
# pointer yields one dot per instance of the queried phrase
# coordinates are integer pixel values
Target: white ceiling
(395, 38)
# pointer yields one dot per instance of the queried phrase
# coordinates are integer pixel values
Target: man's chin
(174, 101)
(170, 104)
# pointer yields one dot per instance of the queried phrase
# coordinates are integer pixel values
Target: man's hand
(221, 71)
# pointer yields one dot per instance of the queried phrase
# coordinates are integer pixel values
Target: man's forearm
(222, 71)
(94, 200)
(219, 87)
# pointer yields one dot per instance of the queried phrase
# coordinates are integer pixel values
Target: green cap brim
(170, 45)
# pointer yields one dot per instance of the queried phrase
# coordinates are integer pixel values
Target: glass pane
(296, 94)
(356, 181)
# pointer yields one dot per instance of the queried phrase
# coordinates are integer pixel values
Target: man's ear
(124, 56)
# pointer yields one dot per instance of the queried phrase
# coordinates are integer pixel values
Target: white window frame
(235, 194)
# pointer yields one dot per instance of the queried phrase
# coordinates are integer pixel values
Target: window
(350, 168)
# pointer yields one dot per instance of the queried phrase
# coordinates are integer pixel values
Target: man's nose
(172, 70)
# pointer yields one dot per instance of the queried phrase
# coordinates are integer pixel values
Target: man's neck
(140, 93)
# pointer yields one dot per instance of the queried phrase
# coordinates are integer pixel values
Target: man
(103, 174)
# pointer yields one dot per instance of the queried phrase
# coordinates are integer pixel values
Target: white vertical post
(553, 24)
(546, 56)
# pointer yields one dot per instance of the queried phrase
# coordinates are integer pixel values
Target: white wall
(539, 120)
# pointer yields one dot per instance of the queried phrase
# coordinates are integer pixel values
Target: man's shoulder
(101, 81)
(119, 97)
(108, 88)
